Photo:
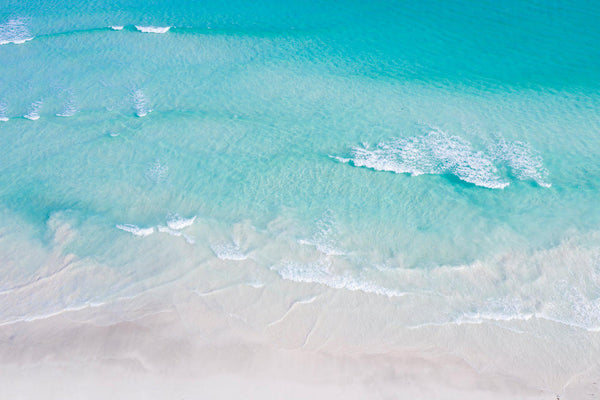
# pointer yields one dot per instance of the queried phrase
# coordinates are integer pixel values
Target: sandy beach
(285, 340)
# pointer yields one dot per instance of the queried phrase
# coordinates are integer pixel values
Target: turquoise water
(390, 147)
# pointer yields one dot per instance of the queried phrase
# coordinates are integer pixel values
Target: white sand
(201, 338)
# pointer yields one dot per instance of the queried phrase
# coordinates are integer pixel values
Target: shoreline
(173, 343)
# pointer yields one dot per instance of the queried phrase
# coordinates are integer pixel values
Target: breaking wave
(33, 112)
(14, 31)
(152, 29)
(439, 153)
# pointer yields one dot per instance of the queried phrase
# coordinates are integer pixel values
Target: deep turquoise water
(386, 146)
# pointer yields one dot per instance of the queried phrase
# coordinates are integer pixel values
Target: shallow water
(444, 154)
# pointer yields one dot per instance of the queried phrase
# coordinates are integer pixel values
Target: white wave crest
(440, 153)
(69, 109)
(33, 113)
(177, 223)
(524, 162)
(140, 103)
(136, 230)
(14, 31)
(153, 29)
(320, 272)
(3, 111)
(117, 27)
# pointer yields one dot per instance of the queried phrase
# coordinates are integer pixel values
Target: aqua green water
(390, 147)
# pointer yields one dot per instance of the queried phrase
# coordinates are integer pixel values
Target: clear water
(445, 154)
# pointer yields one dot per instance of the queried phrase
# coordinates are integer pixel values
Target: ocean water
(445, 154)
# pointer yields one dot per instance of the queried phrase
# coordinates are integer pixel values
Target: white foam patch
(176, 222)
(14, 31)
(3, 111)
(69, 109)
(434, 153)
(153, 29)
(33, 113)
(156, 172)
(440, 153)
(228, 251)
(323, 240)
(117, 27)
(167, 230)
(136, 230)
(140, 103)
(319, 272)
(524, 162)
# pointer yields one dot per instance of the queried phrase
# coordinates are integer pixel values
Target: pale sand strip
(288, 340)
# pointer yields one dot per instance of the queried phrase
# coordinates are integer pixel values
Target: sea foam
(176, 222)
(33, 113)
(140, 103)
(228, 251)
(153, 29)
(320, 272)
(136, 230)
(524, 162)
(167, 230)
(3, 112)
(440, 153)
(14, 31)
(69, 109)
(156, 172)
